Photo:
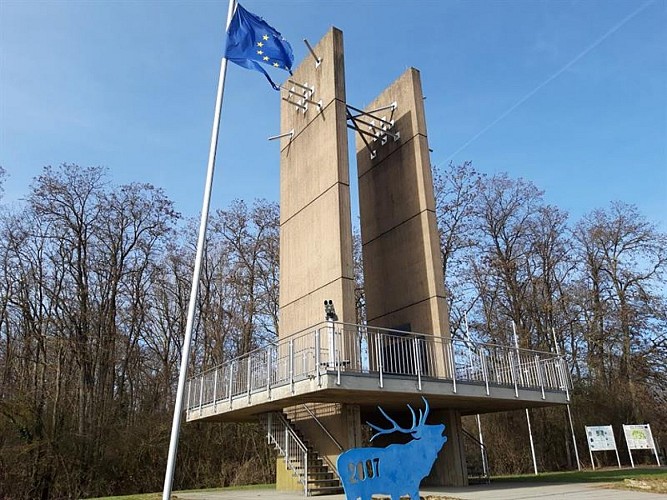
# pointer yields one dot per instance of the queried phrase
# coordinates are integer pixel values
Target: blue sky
(571, 95)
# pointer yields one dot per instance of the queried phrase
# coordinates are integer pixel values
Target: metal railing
(290, 446)
(335, 348)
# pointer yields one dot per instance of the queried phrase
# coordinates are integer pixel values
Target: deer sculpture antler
(414, 429)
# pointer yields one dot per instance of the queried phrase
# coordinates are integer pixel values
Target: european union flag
(251, 41)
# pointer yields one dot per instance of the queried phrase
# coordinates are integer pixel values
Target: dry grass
(648, 484)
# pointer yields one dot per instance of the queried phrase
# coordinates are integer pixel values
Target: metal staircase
(317, 475)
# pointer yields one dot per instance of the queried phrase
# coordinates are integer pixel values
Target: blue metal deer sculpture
(397, 469)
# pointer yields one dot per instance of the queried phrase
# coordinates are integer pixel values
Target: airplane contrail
(597, 42)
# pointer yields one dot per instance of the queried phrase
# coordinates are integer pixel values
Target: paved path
(502, 491)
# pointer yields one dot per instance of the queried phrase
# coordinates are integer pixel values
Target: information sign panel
(600, 437)
(639, 437)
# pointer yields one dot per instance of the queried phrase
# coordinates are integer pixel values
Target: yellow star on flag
(265, 37)
(275, 64)
(265, 58)
(260, 52)
(260, 44)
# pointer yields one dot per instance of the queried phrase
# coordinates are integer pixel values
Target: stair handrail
(482, 446)
(333, 468)
(302, 446)
(326, 431)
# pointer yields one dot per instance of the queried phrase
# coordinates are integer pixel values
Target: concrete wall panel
(402, 267)
(316, 230)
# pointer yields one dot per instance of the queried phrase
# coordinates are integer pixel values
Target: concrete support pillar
(450, 468)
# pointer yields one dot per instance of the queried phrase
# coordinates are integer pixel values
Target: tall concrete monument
(326, 374)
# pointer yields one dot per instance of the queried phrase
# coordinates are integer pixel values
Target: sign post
(639, 437)
(601, 438)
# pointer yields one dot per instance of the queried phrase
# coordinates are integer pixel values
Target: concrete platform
(362, 389)
(504, 491)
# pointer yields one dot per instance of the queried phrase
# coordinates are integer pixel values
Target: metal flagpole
(185, 353)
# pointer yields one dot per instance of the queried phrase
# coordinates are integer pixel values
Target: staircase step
(322, 479)
(326, 490)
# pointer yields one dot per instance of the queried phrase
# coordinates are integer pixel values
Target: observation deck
(359, 364)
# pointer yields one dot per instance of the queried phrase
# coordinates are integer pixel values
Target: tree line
(94, 288)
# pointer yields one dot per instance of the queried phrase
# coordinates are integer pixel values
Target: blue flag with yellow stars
(251, 41)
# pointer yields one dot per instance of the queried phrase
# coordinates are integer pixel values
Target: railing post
(485, 373)
(215, 390)
(189, 405)
(317, 357)
(561, 376)
(201, 393)
(249, 375)
(538, 367)
(291, 364)
(268, 371)
(287, 457)
(305, 473)
(231, 381)
(512, 368)
(379, 358)
(269, 422)
(336, 354)
(415, 340)
(452, 364)
(332, 344)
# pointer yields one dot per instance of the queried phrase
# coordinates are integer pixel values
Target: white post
(291, 364)
(538, 369)
(574, 441)
(532, 445)
(249, 374)
(511, 368)
(481, 446)
(318, 358)
(215, 391)
(231, 382)
(632, 462)
(379, 358)
(332, 344)
(560, 372)
(417, 366)
(337, 359)
(268, 371)
(452, 363)
(201, 240)
(518, 355)
(201, 393)
(485, 369)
